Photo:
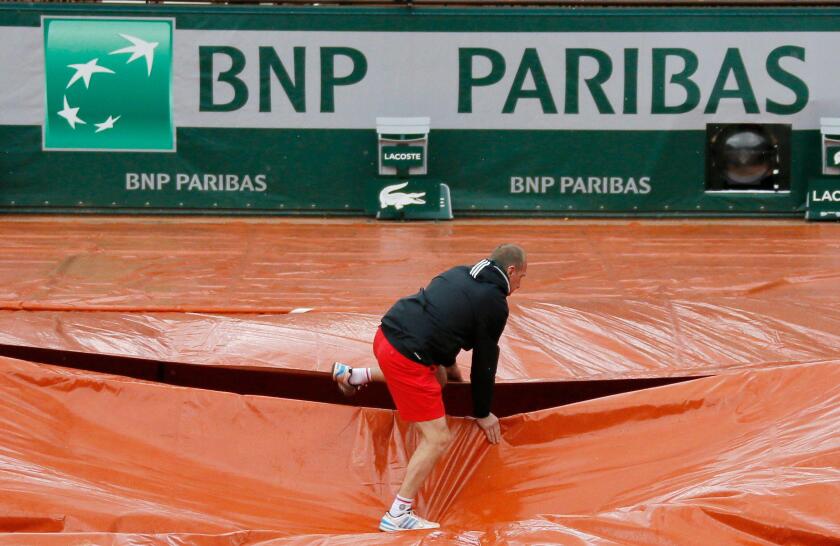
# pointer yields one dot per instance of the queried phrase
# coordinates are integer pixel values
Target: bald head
(507, 255)
(511, 259)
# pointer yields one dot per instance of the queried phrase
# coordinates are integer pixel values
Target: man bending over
(416, 345)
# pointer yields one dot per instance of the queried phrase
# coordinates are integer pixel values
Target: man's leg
(350, 380)
(417, 396)
(376, 374)
(435, 439)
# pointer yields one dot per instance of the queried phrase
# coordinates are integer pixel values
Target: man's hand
(440, 375)
(453, 373)
(490, 426)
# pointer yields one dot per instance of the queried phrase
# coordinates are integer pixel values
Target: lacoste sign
(832, 156)
(402, 157)
(108, 84)
(823, 199)
(419, 198)
(391, 196)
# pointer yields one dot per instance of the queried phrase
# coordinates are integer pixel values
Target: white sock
(400, 506)
(359, 376)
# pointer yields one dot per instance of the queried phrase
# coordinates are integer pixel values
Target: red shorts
(413, 386)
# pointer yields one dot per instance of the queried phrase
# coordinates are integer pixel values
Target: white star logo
(85, 71)
(140, 48)
(70, 114)
(107, 124)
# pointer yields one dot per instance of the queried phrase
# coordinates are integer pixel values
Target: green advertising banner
(272, 110)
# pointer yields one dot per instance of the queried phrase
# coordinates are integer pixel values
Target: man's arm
(483, 376)
(491, 321)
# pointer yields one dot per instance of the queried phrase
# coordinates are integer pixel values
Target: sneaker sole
(391, 528)
(399, 529)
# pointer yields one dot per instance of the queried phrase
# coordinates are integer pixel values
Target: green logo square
(108, 84)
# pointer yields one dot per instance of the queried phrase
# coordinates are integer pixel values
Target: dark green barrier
(603, 112)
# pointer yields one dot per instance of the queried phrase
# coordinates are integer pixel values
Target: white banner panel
(424, 73)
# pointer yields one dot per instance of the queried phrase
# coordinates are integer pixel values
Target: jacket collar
(489, 271)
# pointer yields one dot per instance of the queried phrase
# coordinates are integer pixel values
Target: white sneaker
(406, 522)
(341, 376)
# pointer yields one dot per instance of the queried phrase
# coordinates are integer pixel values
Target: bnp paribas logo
(108, 84)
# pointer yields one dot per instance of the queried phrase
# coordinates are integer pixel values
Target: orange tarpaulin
(601, 300)
(750, 455)
(746, 458)
(542, 341)
(159, 265)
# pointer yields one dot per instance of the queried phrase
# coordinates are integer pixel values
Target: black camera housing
(748, 157)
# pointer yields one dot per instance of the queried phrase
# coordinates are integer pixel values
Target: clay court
(680, 380)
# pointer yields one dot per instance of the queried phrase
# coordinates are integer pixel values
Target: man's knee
(440, 439)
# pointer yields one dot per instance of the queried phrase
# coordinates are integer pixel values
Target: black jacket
(463, 308)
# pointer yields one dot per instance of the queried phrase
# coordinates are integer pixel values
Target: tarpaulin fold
(543, 342)
(749, 457)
